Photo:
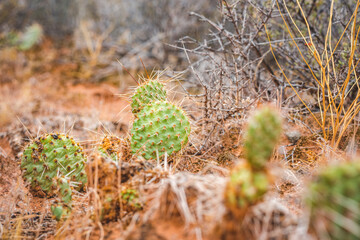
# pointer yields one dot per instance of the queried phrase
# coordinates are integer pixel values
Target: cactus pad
(261, 137)
(250, 180)
(149, 91)
(62, 207)
(160, 127)
(334, 200)
(245, 187)
(50, 156)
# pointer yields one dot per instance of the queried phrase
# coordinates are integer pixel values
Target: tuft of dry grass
(337, 107)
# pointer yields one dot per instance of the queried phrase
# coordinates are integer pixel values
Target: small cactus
(50, 163)
(114, 199)
(30, 37)
(261, 137)
(250, 180)
(160, 127)
(149, 91)
(115, 148)
(130, 199)
(246, 187)
(334, 200)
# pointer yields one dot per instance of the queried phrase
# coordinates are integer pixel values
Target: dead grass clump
(306, 154)
(193, 204)
(194, 200)
(115, 194)
(267, 220)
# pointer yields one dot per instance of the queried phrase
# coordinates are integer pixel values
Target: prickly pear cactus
(130, 199)
(261, 137)
(112, 201)
(115, 148)
(50, 156)
(246, 187)
(149, 91)
(160, 127)
(250, 180)
(334, 200)
(62, 207)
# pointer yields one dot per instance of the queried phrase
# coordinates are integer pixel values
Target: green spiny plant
(130, 199)
(334, 200)
(113, 199)
(250, 180)
(30, 37)
(160, 128)
(246, 186)
(47, 163)
(62, 207)
(149, 91)
(261, 137)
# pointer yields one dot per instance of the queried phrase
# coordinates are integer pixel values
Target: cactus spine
(160, 128)
(50, 163)
(334, 200)
(250, 180)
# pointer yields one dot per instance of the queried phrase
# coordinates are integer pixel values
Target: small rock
(293, 136)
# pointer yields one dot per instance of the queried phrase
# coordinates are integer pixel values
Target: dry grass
(332, 97)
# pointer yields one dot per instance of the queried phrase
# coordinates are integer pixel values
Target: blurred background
(62, 57)
(129, 29)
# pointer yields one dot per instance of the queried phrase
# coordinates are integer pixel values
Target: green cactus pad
(261, 137)
(334, 199)
(160, 127)
(62, 207)
(246, 187)
(149, 91)
(50, 156)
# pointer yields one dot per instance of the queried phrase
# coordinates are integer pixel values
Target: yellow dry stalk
(340, 115)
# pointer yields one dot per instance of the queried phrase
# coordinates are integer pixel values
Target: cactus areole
(160, 128)
(51, 156)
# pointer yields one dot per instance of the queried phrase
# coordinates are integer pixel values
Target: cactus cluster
(334, 200)
(250, 180)
(54, 164)
(51, 164)
(159, 126)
